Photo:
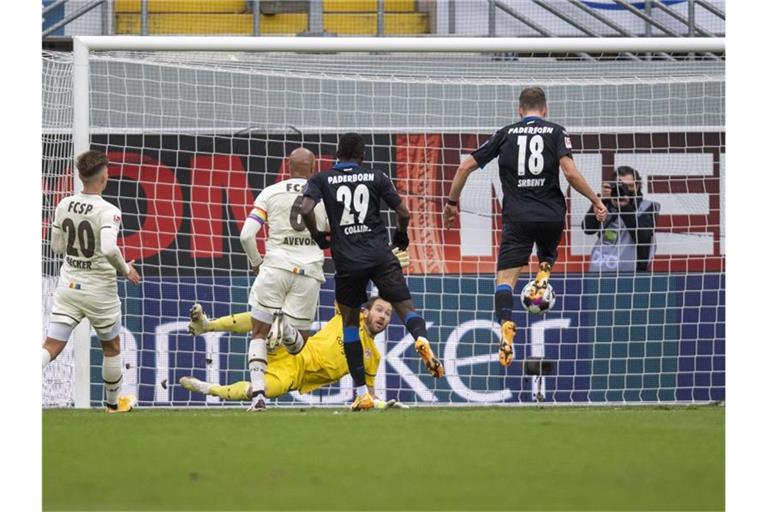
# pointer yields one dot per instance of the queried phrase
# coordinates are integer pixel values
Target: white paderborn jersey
(289, 245)
(81, 218)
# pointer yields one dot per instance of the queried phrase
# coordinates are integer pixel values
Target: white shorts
(70, 306)
(276, 289)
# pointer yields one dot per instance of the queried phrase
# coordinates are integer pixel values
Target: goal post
(225, 117)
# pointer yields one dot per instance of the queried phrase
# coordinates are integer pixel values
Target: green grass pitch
(601, 458)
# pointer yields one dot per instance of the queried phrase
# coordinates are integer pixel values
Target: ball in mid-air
(539, 302)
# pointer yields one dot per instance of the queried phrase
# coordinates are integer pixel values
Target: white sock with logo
(257, 364)
(112, 374)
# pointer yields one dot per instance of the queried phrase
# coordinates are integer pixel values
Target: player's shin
(503, 301)
(238, 391)
(293, 341)
(237, 323)
(112, 374)
(353, 352)
(257, 365)
(417, 327)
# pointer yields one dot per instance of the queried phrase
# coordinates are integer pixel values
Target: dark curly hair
(351, 147)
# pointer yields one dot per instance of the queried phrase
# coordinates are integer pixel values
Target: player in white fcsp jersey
(284, 295)
(84, 231)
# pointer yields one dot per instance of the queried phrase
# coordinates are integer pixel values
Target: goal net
(193, 137)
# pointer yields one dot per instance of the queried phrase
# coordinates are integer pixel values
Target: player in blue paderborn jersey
(530, 153)
(352, 195)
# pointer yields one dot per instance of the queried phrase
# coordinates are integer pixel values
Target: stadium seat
(232, 17)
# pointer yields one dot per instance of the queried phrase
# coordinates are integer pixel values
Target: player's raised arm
(312, 196)
(392, 198)
(308, 216)
(251, 227)
(577, 181)
(400, 239)
(248, 241)
(467, 167)
(479, 158)
(109, 230)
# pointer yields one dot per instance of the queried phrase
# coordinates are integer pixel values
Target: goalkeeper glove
(400, 240)
(402, 256)
(322, 239)
(389, 404)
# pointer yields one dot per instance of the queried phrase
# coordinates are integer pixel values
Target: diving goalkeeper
(320, 363)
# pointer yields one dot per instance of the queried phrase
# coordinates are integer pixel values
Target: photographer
(625, 241)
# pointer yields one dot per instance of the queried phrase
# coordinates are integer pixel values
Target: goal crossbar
(402, 44)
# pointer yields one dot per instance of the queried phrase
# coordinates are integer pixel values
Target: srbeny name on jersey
(531, 129)
(351, 178)
(531, 182)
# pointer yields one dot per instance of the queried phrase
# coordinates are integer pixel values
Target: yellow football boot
(433, 364)
(125, 403)
(540, 283)
(507, 349)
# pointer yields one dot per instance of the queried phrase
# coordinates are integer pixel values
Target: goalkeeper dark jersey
(352, 197)
(529, 167)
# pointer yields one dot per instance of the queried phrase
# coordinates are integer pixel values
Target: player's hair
(533, 98)
(90, 163)
(351, 147)
(371, 301)
(625, 170)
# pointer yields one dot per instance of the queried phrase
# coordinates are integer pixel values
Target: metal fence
(512, 18)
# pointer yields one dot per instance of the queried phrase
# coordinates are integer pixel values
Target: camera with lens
(619, 189)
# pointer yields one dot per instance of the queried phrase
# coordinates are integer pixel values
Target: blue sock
(415, 325)
(503, 301)
(353, 351)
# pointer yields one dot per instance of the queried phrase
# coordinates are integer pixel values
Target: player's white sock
(257, 364)
(293, 341)
(46, 358)
(112, 374)
(361, 390)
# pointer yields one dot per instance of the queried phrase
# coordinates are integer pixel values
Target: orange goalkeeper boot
(433, 364)
(507, 348)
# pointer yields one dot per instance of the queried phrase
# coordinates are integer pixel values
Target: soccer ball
(540, 304)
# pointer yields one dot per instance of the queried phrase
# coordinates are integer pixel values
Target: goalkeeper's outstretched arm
(385, 404)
